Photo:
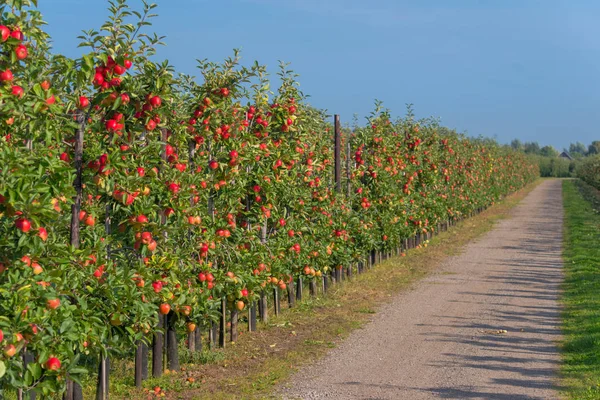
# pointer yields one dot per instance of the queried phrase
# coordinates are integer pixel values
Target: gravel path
(484, 326)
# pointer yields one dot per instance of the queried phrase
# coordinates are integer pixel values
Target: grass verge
(258, 363)
(581, 295)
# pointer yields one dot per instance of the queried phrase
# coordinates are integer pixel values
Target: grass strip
(581, 292)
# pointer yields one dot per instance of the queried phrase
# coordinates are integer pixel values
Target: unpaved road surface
(445, 338)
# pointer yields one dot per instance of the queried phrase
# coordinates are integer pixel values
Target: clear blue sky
(507, 68)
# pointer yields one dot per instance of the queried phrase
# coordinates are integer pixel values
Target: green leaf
(2, 369)
(66, 325)
(36, 370)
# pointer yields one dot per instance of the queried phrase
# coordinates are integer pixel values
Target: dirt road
(484, 326)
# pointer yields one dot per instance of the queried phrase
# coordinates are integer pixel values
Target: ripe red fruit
(17, 34)
(152, 245)
(213, 164)
(141, 219)
(17, 91)
(173, 188)
(233, 154)
(224, 92)
(146, 237)
(141, 171)
(53, 364)
(23, 224)
(127, 64)
(21, 52)
(119, 69)
(165, 308)
(1, 335)
(155, 101)
(157, 286)
(90, 221)
(45, 85)
(51, 100)
(10, 350)
(43, 234)
(281, 222)
(202, 277)
(98, 78)
(6, 75)
(84, 102)
(4, 33)
(53, 304)
(291, 233)
(111, 124)
(125, 98)
(151, 125)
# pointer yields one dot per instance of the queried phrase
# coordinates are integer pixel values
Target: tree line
(575, 150)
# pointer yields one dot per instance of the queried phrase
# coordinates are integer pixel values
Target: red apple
(155, 101)
(53, 304)
(6, 75)
(21, 52)
(165, 308)
(43, 234)
(23, 224)
(4, 33)
(10, 350)
(90, 220)
(53, 364)
(152, 245)
(17, 91)
(84, 102)
(17, 34)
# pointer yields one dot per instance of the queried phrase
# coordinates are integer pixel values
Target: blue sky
(527, 69)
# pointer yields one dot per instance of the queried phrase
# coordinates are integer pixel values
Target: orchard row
(128, 192)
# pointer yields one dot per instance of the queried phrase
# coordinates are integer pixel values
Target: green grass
(581, 296)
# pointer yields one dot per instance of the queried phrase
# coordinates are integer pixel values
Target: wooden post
(312, 288)
(28, 359)
(252, 317)
(276, 301)
(234, 325)
(138, 365)
(212, 335)
(299, 289)
(198, 338)
(172, 349)
(103, 373)
(325, 283)
(157, 348)
(291, 295)
(337, 153)
(223, 323)
(262, 307)
(141, 363)
(191, 340)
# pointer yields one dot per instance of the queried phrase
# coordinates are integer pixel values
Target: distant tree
(516, 145)
(549, 151)
(594, 148)
(531, 148)
(577, 148)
